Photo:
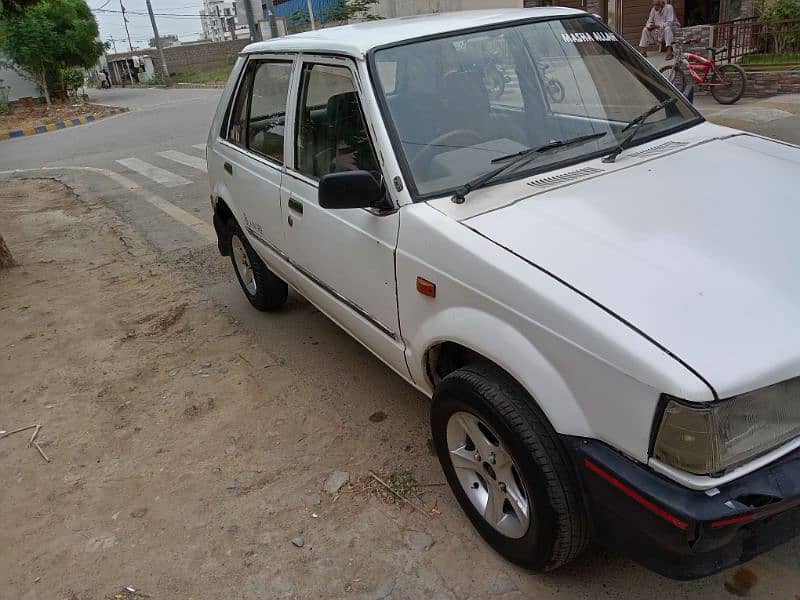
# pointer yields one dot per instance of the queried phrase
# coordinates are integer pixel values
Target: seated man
(659, 28)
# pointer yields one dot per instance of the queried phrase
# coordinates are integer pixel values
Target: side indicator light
(634, 495)
(426, 288)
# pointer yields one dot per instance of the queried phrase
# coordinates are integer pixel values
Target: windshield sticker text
(594, 36)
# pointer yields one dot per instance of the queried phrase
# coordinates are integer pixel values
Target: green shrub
(157, 79)
(72, 80)
(784, 36)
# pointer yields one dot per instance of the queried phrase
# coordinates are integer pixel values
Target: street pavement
(149, 166)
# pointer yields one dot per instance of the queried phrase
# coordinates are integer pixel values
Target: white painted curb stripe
(185, 159)
(199, 146)
(157, 174)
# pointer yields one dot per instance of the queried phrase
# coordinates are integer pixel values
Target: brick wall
(594, 6)
(191, 57)
(748, 9)
(763, 84)
(694, 39)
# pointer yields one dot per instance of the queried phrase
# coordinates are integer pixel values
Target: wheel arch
(468, 335)
(222, 214)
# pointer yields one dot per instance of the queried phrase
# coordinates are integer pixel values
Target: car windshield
(459, 101)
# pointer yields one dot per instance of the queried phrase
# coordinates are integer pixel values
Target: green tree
(49, 36)
(298, 18)
(15, 7)
(344, 10)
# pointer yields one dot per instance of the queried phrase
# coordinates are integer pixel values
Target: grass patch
(402, 482)
(770, 59)
(217, 75)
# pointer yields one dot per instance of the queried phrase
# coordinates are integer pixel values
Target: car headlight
(707, 439)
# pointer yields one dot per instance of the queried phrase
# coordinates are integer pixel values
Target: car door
(346, 256)
(253, 150)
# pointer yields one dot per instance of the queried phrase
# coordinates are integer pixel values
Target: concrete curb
(200, 86)
(17, 133)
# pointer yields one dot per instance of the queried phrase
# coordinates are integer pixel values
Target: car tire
(543, 477)
(264, 289)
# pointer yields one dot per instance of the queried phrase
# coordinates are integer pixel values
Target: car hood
(699, 249)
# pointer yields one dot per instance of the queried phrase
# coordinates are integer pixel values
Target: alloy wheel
(243, 266)
(488, 475)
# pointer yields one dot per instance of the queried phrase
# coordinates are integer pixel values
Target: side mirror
(688, 92)
(351, 189)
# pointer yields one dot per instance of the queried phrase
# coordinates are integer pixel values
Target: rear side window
(331, 132)
(267, 116)
(237, 124)
(258, 114)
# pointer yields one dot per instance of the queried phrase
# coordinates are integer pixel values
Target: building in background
(166, 41)
(16, 82)
(220, 21)
(289, 8)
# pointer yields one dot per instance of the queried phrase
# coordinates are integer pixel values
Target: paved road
(148, 165)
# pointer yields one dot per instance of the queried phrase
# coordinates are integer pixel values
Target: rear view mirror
(351, 189)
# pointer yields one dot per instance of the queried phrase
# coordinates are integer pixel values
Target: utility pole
(311, 14)
(255, 34)
(164, 68)
(130, 45)
(273, 24)
(113, 43)
(125, 20)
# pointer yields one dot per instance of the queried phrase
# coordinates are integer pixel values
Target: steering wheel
(425, 155)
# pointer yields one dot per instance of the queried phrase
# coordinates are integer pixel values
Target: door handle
(228, 167)
(295, 205)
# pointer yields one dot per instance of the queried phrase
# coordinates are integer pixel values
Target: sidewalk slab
(55, 125)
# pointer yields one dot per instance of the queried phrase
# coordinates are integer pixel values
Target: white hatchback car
(599, 290)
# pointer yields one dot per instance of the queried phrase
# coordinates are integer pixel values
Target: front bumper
(683, 533)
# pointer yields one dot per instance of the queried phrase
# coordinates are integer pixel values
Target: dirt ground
(39, 114)
(183, 460)
(187, 462)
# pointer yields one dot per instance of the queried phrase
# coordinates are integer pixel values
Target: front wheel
(731, 86)
(675, 76)
(508, 468)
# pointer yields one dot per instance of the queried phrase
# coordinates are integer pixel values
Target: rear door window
(267, 115)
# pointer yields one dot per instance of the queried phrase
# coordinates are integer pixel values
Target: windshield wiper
(635, 124)
(550, 145)
(521, 157)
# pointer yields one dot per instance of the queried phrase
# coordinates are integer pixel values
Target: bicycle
(553, 87)
(726, 83)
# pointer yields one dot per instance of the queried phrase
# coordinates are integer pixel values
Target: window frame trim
(290, 57)
(333, 60)
(258, 62)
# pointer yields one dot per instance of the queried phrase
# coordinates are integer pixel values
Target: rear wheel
(508, 468)
(263, 288)
(675, 76)
(732, 85)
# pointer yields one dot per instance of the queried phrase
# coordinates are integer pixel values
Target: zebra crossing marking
(154, 173)
(184, 159)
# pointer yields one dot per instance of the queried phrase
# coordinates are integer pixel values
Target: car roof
(358, 38)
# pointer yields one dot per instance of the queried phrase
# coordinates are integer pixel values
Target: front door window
(331, 133)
